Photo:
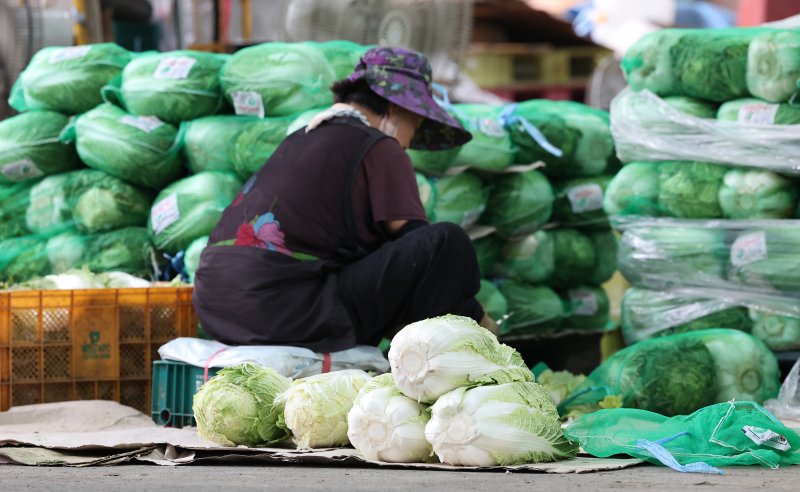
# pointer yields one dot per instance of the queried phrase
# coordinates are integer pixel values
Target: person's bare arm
(394, 226)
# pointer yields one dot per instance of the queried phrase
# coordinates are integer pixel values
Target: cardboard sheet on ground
(95, 433)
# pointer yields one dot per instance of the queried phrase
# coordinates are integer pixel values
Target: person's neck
(373, 118)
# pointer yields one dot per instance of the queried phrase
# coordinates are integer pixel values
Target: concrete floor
(306, 478)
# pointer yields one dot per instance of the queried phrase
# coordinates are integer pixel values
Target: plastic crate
(174, 387)
(87, 344)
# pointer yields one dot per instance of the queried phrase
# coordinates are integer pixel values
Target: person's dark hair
(359, 92)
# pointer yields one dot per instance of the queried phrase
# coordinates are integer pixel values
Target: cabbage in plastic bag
(767, 259)
(492, 300)
(692, 106)
(690, 190)
(487, 249)
(778, 331)
(140, 149)
(773, 65)
(68, 79)
(190, 208)
(48, 209)
(432, 162)
(23, 258)
(491, 147)
(587, 308)
(30, 147)
(530, 259)
(519, 204)
(175, 86)
(14, 201)
(209, 142)
(574, 258)
(460, 199)
(101, 202)
(579, 202)
(532, 309)
(606, 248)
(277, 79)
(124, 250)
(342, 55)
(758, 112)
(256, 143)
(756, 194)
(633, 191)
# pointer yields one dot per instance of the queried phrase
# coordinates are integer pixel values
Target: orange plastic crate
(87, 344)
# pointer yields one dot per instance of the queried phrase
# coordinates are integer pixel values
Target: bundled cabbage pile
(519, 203)
(679, 374)
(757, 112)
(491, 148)
(190, 208)
(573, 140)
(433, 162)
(175, 86)
(487, 249)
(342, 55)
(30, 146)
(140, 149)
(460, 199)
(14, 200)
(579, 202)
(277, 79)
(533, 309)
(209, 143)
(68, 80)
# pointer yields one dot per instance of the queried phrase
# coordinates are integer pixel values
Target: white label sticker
(144, 123)
(584, 302)
(749, 248)
(585, 198)
(70, 53)
(21, 170)
(758, 113)
(491, 128)
(165, 213)
(766, 437)
(248, 103)
(174, 67)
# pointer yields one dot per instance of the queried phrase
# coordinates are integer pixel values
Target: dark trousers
(429, 271)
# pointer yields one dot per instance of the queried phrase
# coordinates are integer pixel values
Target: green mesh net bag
(572, 139)
(209, 142)
(23, 258)
(662, 255)
(533, 310)
(690, 190)
(488, 249)
(679, 374)
(587, 308)
(767, 259)
(342, 55)
(492, 300)
(530, 259)
(650, 313)
(140, 149)
(100, 202)
(757, 194)
(432, 162)
(277, 79)
(737, 433)
(191, 258)
(30, 146)
(427, 195)
(758, 112)
(574, 257)
(491, 148)
(460, 199)
(124, 250)
(606, 247)
(692, 106)
(68, 79)
(703, 63)
(14, 201)
(519, 203)
(48, 211)
(256, 143)
(773, 65)
(190, 208)
(579, 202)
(175, 86)
(633, 191)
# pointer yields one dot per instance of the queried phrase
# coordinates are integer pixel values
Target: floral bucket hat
(404, 77)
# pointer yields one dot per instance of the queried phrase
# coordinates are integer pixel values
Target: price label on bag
(749, 248)
(584, 302)
(165, 213)
(758, 113)
(248, 103)
(71, 53)
(174, 68)
(585, 198)
(21, 170)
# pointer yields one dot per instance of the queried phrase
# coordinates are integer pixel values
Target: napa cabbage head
(460, 199)
(238, 406)
(559, 384)
(506, 424)
(385, 425)
(693, 107)
(487, 249)
(773, 65)
(633, 191)
(316, 407)
(530, 259)
(690, 190)
(533, 309)
(433, 356)
(779, 331)
(757, 194)
(519, 204)
(745, 368)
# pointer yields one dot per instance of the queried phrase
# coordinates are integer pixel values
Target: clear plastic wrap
(646, 128)
(758, 256)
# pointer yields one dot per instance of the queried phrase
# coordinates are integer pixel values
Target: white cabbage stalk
(773, 65)
(316, 407)
(122, 280)
(434, 356)
(506, 424)
(385, 425)
(746, 369)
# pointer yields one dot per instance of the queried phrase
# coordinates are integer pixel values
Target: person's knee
(454, 243)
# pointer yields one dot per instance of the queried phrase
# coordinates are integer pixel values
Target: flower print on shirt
(263, 232)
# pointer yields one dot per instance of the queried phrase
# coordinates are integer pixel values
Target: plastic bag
(587, 309)
(787, 405)
(68, 79)
(209, 142)
(533, 310)
(140, 149)
(492, 300)
(14, 201)
(23, 258)
(487, 249)
(293, 362)
(491, 148)
(757, 112)
(646, 128)
(579, 202)
(679, 374)
(432, 162)
(519, 204)
(124, 250)
(30, 147)
(277, 79)
(460, 199)
(190, 208)
(175, 86)
(726, 434)
(773, 65)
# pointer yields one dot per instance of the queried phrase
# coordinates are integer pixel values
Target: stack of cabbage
(454, 391)
(707, 198)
